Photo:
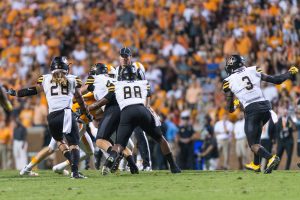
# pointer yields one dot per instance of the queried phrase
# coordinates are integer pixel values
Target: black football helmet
(234, 62)
(128, 73)
(98, 68)
(59, 63)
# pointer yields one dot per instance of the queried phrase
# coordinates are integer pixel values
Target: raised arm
(25, 91)
(278, 79)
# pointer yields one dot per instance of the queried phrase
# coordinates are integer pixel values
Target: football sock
(75, 160)
(170, 159)
(262, 152)
(256, 159)
(130, 160)
(33, 163)
(67, 155)
(109, 149)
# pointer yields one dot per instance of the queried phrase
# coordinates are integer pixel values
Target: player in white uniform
(244, 83)
(60, 87)
(97, 82)
(131, 96)
(139, 134)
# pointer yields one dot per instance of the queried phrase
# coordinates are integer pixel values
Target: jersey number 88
(137, 92)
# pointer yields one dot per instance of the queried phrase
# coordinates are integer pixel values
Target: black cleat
(116, 163)
(175, 169)
(272, 164)
(77, 175)
(134, 169)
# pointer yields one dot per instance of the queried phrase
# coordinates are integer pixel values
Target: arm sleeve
(277, 79)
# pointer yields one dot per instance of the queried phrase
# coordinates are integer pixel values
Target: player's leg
(107, 125)
(253, 129)
(124, 131)
(143, 147)
(86, 145)
(147, 123)
(289, 152)
(73, 142)
(41, 155)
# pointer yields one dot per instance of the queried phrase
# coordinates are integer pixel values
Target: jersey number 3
(54, 90)
(136, 89)
(249, 84)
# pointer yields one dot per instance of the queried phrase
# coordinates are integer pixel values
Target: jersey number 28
(54, 89)
(136, 92)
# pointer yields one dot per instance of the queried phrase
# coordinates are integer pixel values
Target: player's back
(100, 83)
(131, 92)
(245, 84)
(59, 96)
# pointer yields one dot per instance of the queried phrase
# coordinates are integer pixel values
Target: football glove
(12, 92)
(293, 70)
(236, 102)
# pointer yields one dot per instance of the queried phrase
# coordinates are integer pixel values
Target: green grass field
(154, 185)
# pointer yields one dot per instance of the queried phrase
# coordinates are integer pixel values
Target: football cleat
(116, 163)
(77, 175)
(27, 172)
(272, 164)
(253, 167)
(134, 169)
(147, 169)
(175, 169)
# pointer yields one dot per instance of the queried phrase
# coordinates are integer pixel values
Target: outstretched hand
(293, 70)
(236, 102)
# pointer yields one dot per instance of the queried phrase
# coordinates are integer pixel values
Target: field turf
(190, 185)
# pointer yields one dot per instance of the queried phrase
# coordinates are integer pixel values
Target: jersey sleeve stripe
(259, 70)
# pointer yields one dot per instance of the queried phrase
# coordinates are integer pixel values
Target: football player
(60, 87)
(141, 139)
(85, 143)
(97, 82)
(131, 96)
(244, 83)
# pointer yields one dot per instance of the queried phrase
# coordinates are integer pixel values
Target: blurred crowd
(182, 44)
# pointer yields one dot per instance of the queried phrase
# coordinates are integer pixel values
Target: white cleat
(27, 172)
(147, 169)
(61, 171)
